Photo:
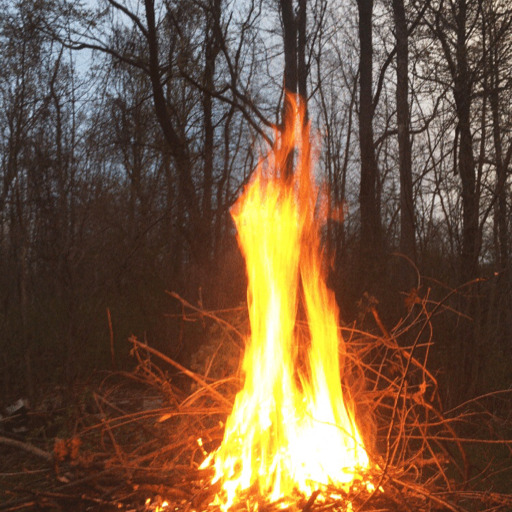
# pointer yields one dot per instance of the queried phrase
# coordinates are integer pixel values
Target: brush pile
(138, 442)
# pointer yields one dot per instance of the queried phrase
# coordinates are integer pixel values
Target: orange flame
(291, 429)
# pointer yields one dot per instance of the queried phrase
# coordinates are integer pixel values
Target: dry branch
(27, 447)
(181, 368)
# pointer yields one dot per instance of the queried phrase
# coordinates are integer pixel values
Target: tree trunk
(407, 219)
(198, 234)
(212, 48)
(502, 310)
(501, 165)
(370, 231)
(468, 344)
(289, 23)
(466, 161)
(302, 67)
(290, 46)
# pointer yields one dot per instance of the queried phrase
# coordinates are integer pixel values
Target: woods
(130, 127)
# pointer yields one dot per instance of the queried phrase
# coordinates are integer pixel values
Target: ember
(292, 428)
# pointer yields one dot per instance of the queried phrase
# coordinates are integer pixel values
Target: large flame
(291, 429)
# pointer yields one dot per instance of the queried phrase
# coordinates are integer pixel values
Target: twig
(180, 367)
(311, 501)
(30, 448)
(208, 314)
(18, 505)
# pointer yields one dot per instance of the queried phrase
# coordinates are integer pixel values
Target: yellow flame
(291, 429)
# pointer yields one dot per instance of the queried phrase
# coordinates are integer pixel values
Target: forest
(130, 127)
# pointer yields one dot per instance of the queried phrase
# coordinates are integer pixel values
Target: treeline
(129, 128)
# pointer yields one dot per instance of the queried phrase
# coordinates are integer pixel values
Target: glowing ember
(291, 429)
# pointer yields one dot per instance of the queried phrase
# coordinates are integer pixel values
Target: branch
(181, 368)
(131, 15)
(104, 49)
(240, 106)
(30, 448)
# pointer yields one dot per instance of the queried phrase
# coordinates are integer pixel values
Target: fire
(291, 429)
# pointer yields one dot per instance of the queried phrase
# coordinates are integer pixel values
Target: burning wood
(128, 455)
(292, 429)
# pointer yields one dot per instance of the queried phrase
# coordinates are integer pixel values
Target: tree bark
(302, 67)
(407, 217)
(501, 162)
(294, 35)
(466, 342)
(198, 234)
(370, 231)
(466, 161)
(212, 48)
(290, 46)
(502, 310)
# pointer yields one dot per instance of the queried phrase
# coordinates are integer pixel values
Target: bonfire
(292, 428)
(314, 424)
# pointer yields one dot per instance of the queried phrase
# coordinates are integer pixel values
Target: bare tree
(453, 34)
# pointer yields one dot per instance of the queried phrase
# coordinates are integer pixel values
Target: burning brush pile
(318, 417)
(292, 428)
